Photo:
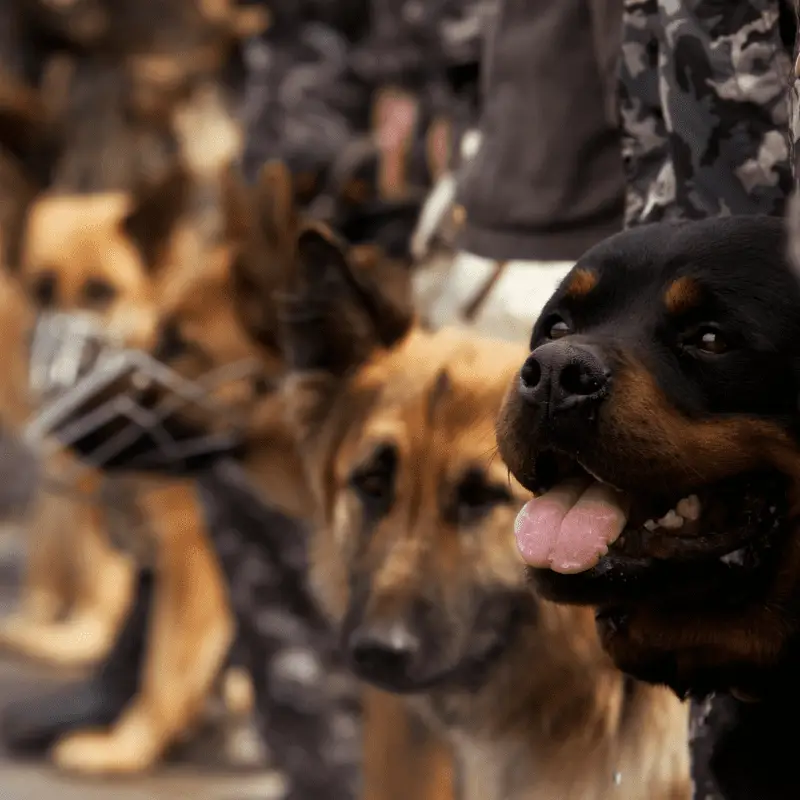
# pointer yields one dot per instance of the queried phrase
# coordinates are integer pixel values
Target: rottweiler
(655, 420)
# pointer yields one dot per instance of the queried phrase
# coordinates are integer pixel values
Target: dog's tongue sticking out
(569, 529)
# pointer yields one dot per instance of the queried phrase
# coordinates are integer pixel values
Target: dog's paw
(98, 753)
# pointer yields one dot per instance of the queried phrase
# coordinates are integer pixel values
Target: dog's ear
(154, 214)
(278, 217)
(342, 308)
(16, 196)
(262, 266)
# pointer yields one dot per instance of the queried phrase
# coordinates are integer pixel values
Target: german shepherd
(76, 573)
(194, 316)
(413, 556)
(125, 121)
(76, 587)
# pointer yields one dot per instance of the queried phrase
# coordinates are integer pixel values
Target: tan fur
(76, 587)
(83, 238)
(192, 628)
(403, 758)
(552, 718)
(99, 222)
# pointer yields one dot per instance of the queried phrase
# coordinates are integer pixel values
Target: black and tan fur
(695, 326)
(213, 311)
(414, 558)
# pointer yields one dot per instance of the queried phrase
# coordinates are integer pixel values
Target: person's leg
(649, 171)
(704, 109)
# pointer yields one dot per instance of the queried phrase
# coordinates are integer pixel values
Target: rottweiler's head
(656, 418)
(411, 554)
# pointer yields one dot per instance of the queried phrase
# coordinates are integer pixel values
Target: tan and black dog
(126, 118)
(656, 420)
(76, 587)
(91, 97)
(414, 557)
(194, 314)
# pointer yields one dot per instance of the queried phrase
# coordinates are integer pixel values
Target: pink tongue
(569, 529)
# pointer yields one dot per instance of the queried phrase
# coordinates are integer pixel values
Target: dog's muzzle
(83, 382)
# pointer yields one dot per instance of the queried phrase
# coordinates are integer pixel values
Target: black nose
(384, 653)
(563, 376)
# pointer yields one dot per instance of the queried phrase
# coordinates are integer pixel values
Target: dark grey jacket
(547, 182)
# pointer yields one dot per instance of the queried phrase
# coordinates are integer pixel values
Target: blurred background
(378, 108)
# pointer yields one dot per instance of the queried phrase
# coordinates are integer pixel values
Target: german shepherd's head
(412, 555)
(169, 283)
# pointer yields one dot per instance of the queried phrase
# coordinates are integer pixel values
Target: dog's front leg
(73, 570)
(191, 630)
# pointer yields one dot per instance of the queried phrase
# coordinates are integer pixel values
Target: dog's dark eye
(557, 328)
(98, 292)
(374, 481)
(476, 496)
(708, 339)
(712, 342)
(44, 288)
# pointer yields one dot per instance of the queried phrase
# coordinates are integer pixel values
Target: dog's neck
(555, 719)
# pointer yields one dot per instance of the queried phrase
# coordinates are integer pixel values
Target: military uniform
(704, 106)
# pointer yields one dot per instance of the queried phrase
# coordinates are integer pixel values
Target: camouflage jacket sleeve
(705, 108)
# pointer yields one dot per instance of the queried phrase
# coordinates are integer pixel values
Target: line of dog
(353, 548)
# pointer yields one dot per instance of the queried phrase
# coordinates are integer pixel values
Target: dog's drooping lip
(579, 526)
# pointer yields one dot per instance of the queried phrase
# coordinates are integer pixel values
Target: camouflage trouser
(704, 106)
(793, 214)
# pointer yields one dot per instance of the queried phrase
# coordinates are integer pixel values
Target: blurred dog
(76, 587)
(413, 556)
(87, 265)
(201, 316)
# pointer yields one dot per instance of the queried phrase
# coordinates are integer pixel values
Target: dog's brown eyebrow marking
(682, 295)
(581, 283)
(441, 386)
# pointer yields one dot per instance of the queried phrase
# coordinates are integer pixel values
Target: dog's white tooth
(689, 508)
(736, 557)
(651, 524)
(671, 520)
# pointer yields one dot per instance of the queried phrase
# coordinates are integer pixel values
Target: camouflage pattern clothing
(793, 215)
(704, 107)
(705, 110)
